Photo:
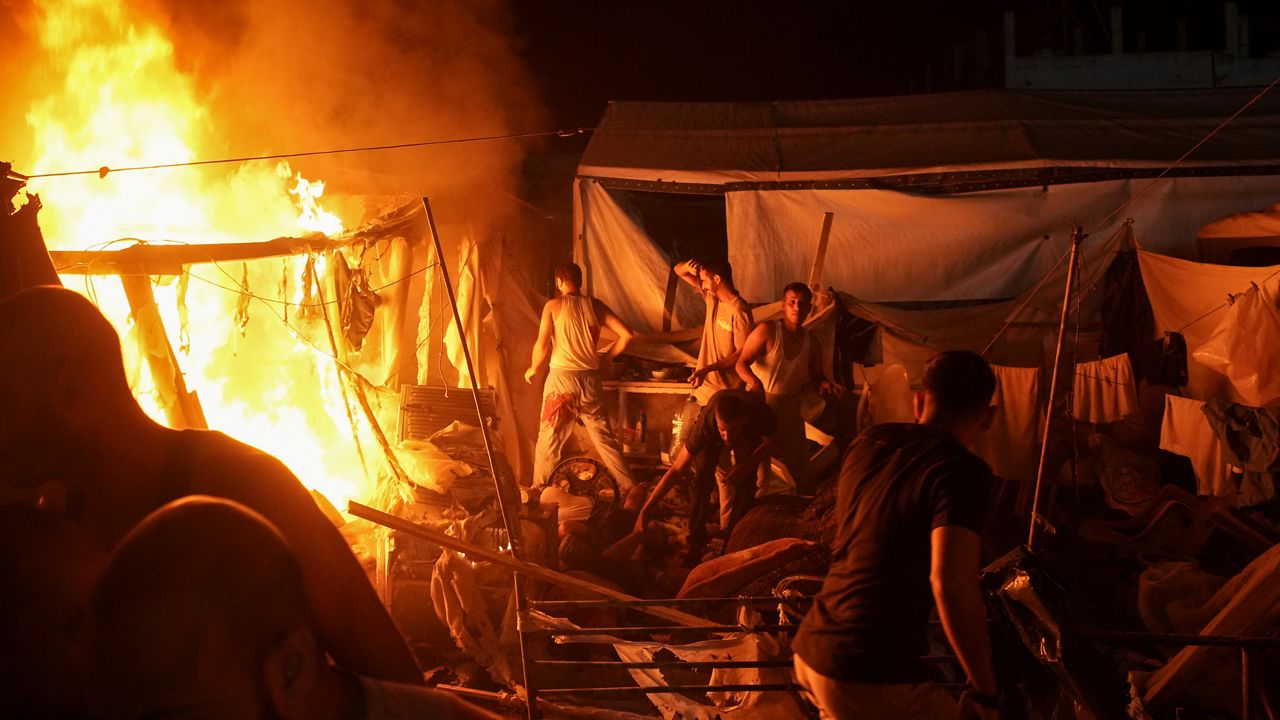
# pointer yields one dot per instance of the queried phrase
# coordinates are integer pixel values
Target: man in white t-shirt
(725, 330)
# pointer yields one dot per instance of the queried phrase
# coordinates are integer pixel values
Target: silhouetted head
(201, 613)
(61, 377)
(731, 417)
(958, 386)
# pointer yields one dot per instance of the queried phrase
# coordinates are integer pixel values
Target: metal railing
(1245, 644)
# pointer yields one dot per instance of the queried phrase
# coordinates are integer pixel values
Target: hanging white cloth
(887, 399)
(1010, 445)
(1105, 390)
(1186, 431)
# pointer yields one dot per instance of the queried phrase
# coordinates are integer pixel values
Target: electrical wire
(103, 171)
(1186, 154)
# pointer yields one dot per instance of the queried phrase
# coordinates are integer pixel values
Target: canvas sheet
(975, 130)
(623, 267)
(888, 246)
(1191, 298)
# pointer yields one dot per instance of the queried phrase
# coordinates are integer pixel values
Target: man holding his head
(735, 422)
(728, 323)
(202, 613)
(569, 332)
(910, 505)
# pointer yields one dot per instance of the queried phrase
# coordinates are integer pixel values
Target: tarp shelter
(1242, 238)
(951, 197)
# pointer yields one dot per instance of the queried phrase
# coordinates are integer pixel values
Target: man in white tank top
(781, 360)
(568, 333)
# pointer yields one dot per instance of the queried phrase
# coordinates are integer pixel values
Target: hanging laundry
(1010, 446)
(1171, 365)
(1105, 390)
(1251, 441)
(1186, 431)
(855, 342)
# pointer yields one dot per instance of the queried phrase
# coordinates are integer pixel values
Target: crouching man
(735, 421)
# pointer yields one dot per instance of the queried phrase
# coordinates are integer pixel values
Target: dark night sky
(588, 52)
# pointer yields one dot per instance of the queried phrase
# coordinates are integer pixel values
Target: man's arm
(726, 363)
(757, 344)
(542, 346)
(688, 271)
(682, 461)
(351, 622)
(749, 464)
(955, 579)
(615, 325)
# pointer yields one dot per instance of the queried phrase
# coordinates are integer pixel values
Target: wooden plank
(476, 552)
(142, 259)
(815, 273)
(182, 407)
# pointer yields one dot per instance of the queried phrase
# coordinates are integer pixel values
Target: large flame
(117, 99)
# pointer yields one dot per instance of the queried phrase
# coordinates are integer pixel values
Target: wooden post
(815, 273)
(1077, 238)
(182, 408)
(513, 534)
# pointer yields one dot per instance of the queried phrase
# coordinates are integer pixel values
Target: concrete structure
(1228, 66)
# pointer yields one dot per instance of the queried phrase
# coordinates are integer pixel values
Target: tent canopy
(950, 197)
(719, 143)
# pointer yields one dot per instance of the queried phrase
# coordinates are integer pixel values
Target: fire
(116, 98)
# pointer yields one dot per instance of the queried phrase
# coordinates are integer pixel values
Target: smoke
(325, 74)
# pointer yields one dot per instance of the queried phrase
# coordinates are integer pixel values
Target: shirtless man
(728, 323)
(780, 360)
(67, 416)
(568, 333)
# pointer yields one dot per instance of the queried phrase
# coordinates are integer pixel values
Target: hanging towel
(887, 400)
(1010, 445)
(1105, 390)
(1186, 431)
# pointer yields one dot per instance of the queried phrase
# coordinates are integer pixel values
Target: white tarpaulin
(623, 267)
(976, 130)
(1191, 298)
(889, 246)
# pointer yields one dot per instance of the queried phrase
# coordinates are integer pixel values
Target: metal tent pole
(512, 537)
(1077, 238)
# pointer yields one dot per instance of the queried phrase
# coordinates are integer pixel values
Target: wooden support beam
(144, 259)
(182, 408)
(815, 273)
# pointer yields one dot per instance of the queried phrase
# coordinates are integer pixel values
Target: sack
(1242, 348)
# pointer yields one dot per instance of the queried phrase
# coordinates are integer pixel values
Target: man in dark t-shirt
(733, 420)
(910, 506)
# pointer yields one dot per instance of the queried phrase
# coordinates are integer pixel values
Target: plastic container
(682, 423)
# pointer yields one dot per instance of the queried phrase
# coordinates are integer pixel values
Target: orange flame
(118, 97)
